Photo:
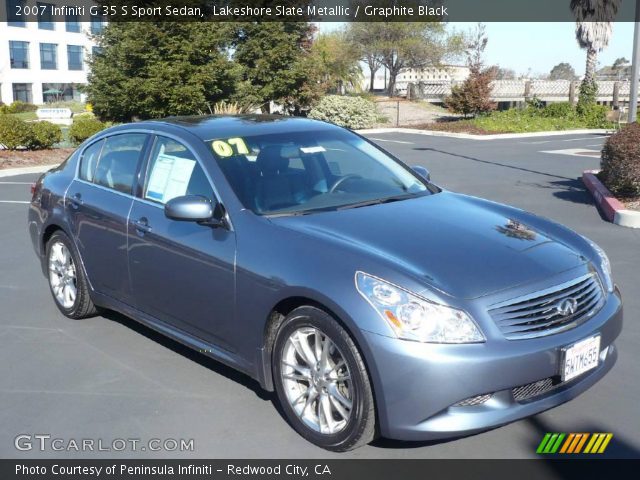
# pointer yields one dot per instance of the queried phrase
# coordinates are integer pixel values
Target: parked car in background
(372, 301)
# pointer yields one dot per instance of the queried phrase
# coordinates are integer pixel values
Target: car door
(98, 203)
(182, 273)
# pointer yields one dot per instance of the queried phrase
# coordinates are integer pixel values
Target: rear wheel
(322, 382)
(67, 282)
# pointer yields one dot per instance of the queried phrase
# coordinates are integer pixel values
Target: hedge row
(16, 133)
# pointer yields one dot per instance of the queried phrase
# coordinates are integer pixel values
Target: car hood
(462, 246)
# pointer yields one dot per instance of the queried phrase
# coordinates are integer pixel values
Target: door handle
(142, 225)
(76, 200)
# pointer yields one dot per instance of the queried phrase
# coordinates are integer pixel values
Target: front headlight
(605, 265)
(414, 318)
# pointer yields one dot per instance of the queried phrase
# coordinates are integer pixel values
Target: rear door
(182, 273)
(98, 203)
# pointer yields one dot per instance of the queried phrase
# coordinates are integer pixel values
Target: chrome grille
(535, 389)
(541, 313)
(472, 401)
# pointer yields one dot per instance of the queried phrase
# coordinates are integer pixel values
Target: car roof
(208, 127)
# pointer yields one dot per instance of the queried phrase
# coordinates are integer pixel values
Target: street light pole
(635, 70)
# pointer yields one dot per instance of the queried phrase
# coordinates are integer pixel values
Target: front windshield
(302, 172)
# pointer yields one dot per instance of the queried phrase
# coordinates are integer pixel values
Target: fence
(613, 92)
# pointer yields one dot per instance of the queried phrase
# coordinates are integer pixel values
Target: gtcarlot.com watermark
(44, 442)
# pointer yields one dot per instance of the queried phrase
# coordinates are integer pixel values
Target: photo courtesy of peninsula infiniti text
(370, 300)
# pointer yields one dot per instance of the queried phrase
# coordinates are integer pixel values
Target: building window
(19, 53)
(74, 55)
(97, 24)
(48, 56)
(45, 16)
(73, 23)
(13, 7)
(22, 92)
(60, 92)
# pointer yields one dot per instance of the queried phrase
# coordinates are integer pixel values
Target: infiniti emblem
(567, 307)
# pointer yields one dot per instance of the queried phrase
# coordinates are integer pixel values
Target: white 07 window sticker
(169, 177)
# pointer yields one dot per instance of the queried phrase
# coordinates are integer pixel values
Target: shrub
(587, 95)
(20, 107)
(45, 135)
(231, 108)
(83, 128)
(350, 112)
(559, 110)
(77, 116)
(473, 97)
(621, 162)
(14, 132)
(594, 116)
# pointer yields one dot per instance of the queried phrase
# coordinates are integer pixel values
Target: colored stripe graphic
(567, 443)
(543, 443)
(573, 443)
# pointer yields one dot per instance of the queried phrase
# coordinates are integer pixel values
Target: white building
(44, 59)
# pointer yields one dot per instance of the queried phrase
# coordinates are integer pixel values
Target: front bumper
(417, 385)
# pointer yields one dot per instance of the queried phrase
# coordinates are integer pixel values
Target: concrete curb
(468, 136)
(612, 208)
(10, 172)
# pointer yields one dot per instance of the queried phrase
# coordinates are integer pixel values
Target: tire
(306, 394)
(67, 281)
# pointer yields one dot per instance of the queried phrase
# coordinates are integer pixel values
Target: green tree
(594, 26)
(413, 45)
(364, 37)
(620, 67)
(337, 62)
(562, 71)
(157, 69)
(274, 58)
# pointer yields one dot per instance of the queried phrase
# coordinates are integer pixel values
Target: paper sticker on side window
(169, 177)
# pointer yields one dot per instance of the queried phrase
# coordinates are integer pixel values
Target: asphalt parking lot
(110, 378)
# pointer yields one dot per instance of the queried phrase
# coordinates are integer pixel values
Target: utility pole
(635, 70)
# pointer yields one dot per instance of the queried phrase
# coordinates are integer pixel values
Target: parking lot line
(14, 201)
(568, 140)
(16, 183)
(391, 141)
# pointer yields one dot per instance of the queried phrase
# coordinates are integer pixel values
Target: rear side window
(119, 161)
(174, 172)
(89, 161)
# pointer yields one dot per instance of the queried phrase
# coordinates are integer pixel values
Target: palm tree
(594, 25)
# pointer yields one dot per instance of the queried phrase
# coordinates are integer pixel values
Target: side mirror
(423, 172)
(190, 208)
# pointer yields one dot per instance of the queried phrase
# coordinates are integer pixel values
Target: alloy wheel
(317, 381)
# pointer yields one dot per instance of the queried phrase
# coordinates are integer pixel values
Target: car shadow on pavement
(572, 190)
(391, 444)
(498, 164)
(199, 358)
(617, 448)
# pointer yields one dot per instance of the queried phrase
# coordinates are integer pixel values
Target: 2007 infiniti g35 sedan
(372, 301)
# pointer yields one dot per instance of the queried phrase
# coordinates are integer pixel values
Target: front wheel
(322, 381)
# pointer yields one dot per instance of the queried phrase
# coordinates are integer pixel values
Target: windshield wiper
(300, 213)
(377, 201)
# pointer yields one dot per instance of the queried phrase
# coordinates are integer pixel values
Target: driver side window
(173, 172)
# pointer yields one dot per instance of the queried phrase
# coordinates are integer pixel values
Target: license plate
(580, 358)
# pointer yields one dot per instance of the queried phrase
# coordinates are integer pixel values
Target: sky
(521, 46)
